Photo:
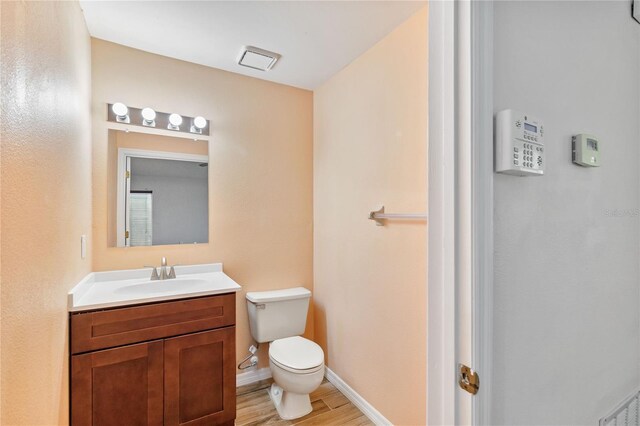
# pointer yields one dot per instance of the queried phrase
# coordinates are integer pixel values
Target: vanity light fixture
(195, 126)
(121, 112)
(198, 124)
(148, 117)
(175, 120)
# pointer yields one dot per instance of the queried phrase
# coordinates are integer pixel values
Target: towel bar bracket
(379, 216)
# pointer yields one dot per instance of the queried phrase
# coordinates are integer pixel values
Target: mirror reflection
(158, 190)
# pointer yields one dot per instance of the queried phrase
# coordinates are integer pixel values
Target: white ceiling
(315, 38)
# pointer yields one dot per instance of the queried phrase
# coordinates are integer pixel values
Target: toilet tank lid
(278, 295)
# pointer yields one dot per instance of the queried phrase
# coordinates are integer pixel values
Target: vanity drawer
(121, 326)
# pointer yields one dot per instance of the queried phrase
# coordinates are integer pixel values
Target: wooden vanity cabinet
(167, 363)
(118, 386)
(193, 365)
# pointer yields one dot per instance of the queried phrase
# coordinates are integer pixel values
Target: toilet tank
(277, 314)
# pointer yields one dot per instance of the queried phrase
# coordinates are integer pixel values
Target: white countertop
(100, 290)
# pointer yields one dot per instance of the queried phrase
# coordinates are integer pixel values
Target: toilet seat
(297, 355)
(295, 371)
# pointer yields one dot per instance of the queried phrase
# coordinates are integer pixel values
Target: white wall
(566, 346)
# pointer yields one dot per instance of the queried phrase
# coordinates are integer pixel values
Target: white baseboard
(255, 375)
(367, 409)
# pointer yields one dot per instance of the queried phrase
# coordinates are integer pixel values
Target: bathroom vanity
(153, 352)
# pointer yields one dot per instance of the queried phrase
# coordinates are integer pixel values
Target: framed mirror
(158, 190)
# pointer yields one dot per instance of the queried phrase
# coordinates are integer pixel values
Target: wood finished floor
(330, 407)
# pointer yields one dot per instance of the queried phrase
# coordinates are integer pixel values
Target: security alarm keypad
(519, 144)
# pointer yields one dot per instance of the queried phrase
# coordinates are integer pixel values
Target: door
(127, 202)
(118, 386)
(199, 378)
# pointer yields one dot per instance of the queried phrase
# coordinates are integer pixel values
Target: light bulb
(175, 120)
(148, 114)
(120, 109)
(200, 122)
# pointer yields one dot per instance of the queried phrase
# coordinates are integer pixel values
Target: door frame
(460, 247)
(441, 207)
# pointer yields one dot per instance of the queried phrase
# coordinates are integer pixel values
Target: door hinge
(127, 174)
(468, 379)
(126, 234)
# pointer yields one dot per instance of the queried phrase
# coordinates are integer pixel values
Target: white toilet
(297, 364)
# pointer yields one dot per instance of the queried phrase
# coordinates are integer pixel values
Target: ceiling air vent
(258, 59)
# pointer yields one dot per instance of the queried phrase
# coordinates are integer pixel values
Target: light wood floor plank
(360, 421)
(319, 407)
(262, 384)
(339, 416)
(330, 408)
(336, 399)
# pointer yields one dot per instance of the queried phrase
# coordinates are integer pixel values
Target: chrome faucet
(164, 274)
(163, 269)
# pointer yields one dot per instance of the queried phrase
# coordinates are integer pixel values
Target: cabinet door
(200, 379)
(118, 386)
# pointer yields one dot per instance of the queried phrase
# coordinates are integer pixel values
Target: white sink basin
(107, 289)
(188, 285)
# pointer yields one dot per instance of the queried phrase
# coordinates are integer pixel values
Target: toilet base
(289, 405)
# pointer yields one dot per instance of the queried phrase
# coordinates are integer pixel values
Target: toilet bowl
(296, 363)
(297, 367)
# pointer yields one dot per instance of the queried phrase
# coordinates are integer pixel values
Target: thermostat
(586, 150)
(519, 144)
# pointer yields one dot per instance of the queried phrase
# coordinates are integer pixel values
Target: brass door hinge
(126, 234)
(127, 174)
(468, 379)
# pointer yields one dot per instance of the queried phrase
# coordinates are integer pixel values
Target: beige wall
(120, 139)
(46, 200)
(260, 170)
(370, 147)
(150, 142)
